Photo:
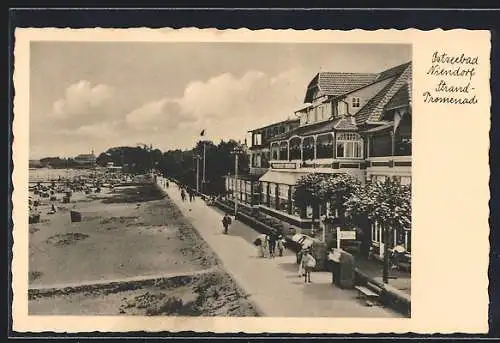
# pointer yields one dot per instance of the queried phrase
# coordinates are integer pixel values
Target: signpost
(344, 235)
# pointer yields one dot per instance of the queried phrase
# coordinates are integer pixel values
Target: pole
(204, 165)
(198, 174)
(236, 184)
(385, 274)
(338, 237)
(323, 238)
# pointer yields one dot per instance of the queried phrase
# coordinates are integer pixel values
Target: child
(281, 245)
(309, 263)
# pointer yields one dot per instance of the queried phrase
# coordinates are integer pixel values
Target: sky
(88, 96)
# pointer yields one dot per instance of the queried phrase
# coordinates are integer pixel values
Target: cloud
(83, 103)
(156, 115)
(226, 105)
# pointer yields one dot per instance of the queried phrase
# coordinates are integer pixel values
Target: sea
(49, 174)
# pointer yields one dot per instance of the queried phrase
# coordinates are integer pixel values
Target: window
(265, 185)
(264, 160)
(349, 145)
(405, 180)
(378, 178)
(295, 143)
(295, 209)
(283, 151)
(376, 233)
(308, 148)
(324, 146)
(256, 160)
(275, 131)
(272, 195)
(257, 139)
(274, 151)
(283, 197)
(303, 119)
(355, 102)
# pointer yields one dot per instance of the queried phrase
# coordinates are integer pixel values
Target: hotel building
(355, 123)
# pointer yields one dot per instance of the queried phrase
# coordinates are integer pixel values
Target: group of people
(267, 245)
(187, 192)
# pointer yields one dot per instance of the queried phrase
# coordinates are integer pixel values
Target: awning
(282, 177)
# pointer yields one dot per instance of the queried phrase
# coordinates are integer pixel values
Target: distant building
(35, 164)
(86, 159)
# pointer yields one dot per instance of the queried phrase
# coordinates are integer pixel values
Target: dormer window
(355, 102)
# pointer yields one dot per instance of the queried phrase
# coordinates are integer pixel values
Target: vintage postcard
(251, 181)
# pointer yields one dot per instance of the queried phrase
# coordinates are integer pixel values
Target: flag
(202, 133)
(397, 120)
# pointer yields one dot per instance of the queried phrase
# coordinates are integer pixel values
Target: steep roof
(373, 109)
(340, 83)
(391, 72)
(337, 84)
(401, 98)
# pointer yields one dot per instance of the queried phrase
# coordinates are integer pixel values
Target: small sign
(347, 234)
(283, 165)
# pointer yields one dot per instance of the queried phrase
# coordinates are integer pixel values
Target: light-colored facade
(358, 124)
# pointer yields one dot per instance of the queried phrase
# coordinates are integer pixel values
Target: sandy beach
(132, 253)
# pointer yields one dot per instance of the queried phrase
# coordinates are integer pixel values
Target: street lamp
(197, 157)
(236, 152)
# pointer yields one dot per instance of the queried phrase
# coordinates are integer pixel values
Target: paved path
(273, 284)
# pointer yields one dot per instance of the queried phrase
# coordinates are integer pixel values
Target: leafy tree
(387, 203)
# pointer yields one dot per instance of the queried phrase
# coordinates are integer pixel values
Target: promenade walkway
(272, 284)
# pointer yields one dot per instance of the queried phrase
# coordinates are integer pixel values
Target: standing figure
(309, 263)
(183, 195)
(226, 221)
(300, 258)
(265, 246)
(272, 245)
(281, 245)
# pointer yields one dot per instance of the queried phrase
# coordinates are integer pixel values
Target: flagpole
(204, 164)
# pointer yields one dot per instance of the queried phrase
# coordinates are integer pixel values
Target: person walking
(309, 263)
(281, 245)
(300, 260)
(226, 221)
(265, 246)
(272, 245)
(183, 195)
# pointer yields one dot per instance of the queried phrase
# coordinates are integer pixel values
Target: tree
(387, 203)
(308, 191)
(337, 189)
